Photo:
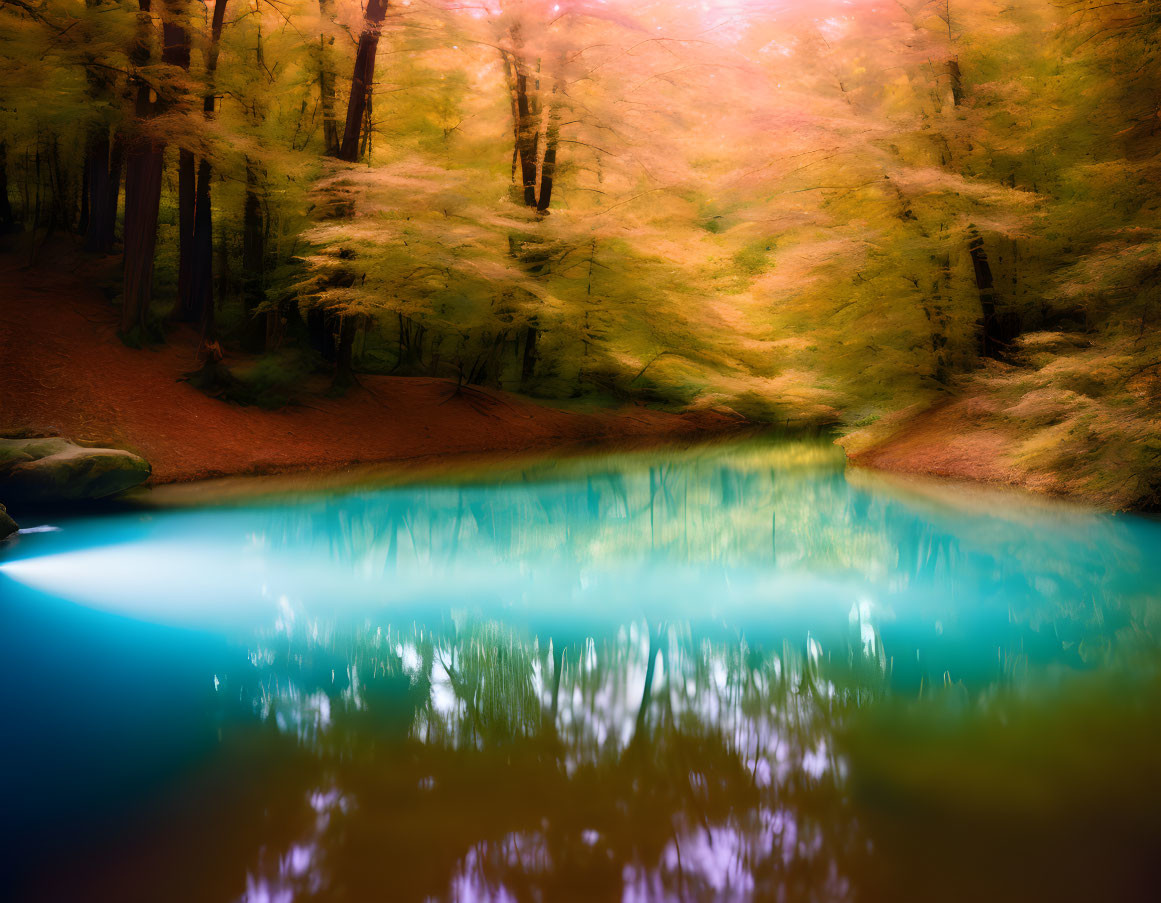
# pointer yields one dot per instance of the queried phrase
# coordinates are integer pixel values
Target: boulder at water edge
(56, 470)
(7, 525)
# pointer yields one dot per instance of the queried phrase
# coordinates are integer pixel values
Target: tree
(144, 160)
(201, 292)
(100, 194)
(362, 80)
(326, 80)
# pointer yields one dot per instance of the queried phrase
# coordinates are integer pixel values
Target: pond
(734, 672)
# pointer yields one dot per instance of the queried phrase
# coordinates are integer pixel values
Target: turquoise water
(730, 673)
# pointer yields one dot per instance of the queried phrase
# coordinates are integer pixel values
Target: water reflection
(728, 674)
(650, 761)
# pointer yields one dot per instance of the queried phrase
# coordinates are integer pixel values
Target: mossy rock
(56, 470)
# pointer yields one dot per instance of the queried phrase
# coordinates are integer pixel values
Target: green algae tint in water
(729, 674)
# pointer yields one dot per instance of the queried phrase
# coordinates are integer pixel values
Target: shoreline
(436, 467)
(927, 489)
(487, 464)
(67, 373)
(964, 439)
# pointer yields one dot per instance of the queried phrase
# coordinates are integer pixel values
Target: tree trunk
(6, 218)
(83, 223)
(955, 76)
(142, 199)
(326, 83)
(223, 273)
(365, 148)
(253, 265)
(362, 79)
(320, 332)
(510, 78)
(98, 232)
(528, 366)
(528, 134)
(177, 53)
(344, 375)
(990, 346)
(62, 200)
(143, 171)
(95, 178)
(201, 290)
(116, 166)
(142, 193)
(36, 204)
(548, 167)
(186, 199)
(201, 280)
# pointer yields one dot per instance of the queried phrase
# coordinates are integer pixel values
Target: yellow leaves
(801, 264)
(931, 179)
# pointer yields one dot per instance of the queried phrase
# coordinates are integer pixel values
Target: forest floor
(64, 369)
(959, 438)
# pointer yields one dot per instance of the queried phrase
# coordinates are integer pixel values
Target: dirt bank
(959, 439)
(63, 368)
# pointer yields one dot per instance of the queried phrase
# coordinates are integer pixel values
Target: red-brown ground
(942, 441)
(959, 439)
(63, 368)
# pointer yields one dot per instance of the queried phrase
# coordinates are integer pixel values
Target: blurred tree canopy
(815, 212)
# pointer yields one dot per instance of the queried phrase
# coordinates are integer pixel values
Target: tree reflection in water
(649, 760)
(725, 675)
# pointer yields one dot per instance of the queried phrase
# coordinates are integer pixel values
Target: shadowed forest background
(819, 214)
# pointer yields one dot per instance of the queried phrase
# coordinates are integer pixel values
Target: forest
(830, 215)
(508, 451)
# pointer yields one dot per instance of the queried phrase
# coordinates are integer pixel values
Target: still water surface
(723, 674)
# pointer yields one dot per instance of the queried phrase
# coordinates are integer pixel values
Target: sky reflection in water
(720, 674)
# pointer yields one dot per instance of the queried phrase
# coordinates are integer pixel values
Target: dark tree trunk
(83, 222)
(6, 218)
(548, 174)
(275, 328)
(99, 227)
(223, 273)
(253, 265)
(326, 83)
(177, 53)
(35, 205)
(320, 332)
(510, 77)
(362, 79)
(528, 136)
(142, 193)
(368, 131)
(955, 76)
(95, 225)
(344, 375)
(990, 344)
(528, 366)
(937, 315)
(201, 281)
(201, 264)
(142, 198)
(186, 199)
(548, 167)
(62, 200)
(527, 131)
(143, 170)
(116, 166)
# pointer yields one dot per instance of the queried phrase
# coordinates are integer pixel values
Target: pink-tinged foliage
(782, 207)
